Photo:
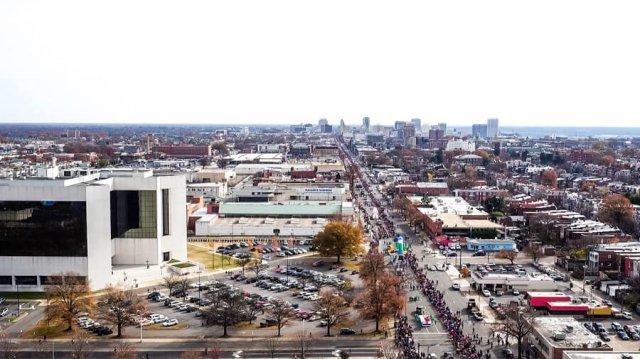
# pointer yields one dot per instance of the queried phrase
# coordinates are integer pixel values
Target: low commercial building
(588, 354)
(490, 245)
(212, 225)
(208, 191)
(453, 216)
(510, 280)
(88, 225)
(184, 151)
(423, 188)
(551, 337)
(295, 209)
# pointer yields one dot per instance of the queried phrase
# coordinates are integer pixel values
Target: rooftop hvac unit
(559, 336)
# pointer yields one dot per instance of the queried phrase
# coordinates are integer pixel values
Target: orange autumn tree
(381, 298)
(549, 178)
(339, 239)
(617, 210)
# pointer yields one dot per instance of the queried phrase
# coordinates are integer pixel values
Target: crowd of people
(377, 228)
(382, 228)
(464, 344)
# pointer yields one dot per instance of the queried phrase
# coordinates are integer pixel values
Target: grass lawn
(204, 256)
(55, 329)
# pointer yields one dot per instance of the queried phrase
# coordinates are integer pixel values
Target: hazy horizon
(528, 63)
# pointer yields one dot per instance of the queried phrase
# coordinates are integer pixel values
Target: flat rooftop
(577, 337)
(600, 355)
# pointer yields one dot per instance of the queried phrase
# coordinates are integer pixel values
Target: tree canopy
(339, 239)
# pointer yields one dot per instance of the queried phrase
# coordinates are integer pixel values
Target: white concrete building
(88, 225)
(460, 145)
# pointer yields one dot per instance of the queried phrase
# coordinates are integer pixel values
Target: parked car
(479, 253)
(170, 322)
(347, 331)
(486, 293)
(455, 286)
(4, 311)
(622, 335)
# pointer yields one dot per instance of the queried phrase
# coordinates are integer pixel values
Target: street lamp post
(199, 286)
(140, 321)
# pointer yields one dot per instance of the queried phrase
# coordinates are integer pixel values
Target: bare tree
(272, 346)
(231, 309)
(119, 308)
(505, 254)
(388, 351)
(243, 262)
(281, 313)
(68, 297)
(79, 345)
(517, 324)
(183, 286)
(371, 266)
(170, 282)
(7, 348)
(252, 311)
(332, 308)
(303, 343)
(257, 267)
(124, 351)
(40, 350)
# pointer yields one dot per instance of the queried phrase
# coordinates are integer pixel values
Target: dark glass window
(166, 256)
(165, 212)
(50, 280)
(26, 280)
(133, 214)
(45, 228)
(5, 280)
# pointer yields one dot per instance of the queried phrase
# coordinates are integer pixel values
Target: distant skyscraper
(342, 125)
(409, 131)
(492, 127)
(366, 124)
(479, 130)
(322, 122)
(399, 125)
(417, 124)
(443, 127)
(436, 134)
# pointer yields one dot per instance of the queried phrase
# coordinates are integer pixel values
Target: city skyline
(538, 63)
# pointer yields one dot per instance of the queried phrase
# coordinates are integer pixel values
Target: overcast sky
(538, 62)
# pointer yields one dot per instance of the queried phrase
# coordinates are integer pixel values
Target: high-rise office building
(409, 130)
(322, 122)
(88, 222)
(443, 127)
(366, 124)
(417, 124)
(492, 127)
(479, 130)
(436, 133)
(399, 125)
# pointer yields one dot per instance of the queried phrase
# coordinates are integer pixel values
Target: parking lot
(297, 283)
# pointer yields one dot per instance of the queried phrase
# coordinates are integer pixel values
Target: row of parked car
(83, 321)
(557, 276)
(317, 277)
(239, 250)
